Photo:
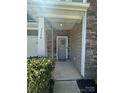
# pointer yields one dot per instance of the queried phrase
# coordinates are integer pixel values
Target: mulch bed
(51, 84)
(87, 86)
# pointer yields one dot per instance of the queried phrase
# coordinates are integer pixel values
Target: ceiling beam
(62, 20)
(63, 16)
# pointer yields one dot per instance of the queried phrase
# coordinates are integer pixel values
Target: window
(32, 32)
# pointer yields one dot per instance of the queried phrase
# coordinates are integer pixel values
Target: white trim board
(83, 44)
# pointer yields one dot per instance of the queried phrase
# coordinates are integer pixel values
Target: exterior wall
(32, 46)
(48, 30)
(32, 38)
(91, 42)
(76, 43)
(49, 42)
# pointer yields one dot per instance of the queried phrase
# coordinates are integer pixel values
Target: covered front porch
(61, 34)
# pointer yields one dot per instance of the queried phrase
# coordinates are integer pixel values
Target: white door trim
(57, 46)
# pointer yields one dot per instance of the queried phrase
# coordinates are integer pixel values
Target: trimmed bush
(38, 74)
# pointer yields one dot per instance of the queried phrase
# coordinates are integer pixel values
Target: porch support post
(52, 43)
(83, 44)
(41, 38)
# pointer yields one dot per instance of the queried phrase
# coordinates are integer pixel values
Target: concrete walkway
(66, 87)
(65, 71)
(65, 76)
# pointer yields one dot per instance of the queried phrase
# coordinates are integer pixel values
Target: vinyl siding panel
(32, 46)
(76, 44)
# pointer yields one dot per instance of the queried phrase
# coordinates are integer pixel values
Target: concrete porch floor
(65, 76)
(65, 71)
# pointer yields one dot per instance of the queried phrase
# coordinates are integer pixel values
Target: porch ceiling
(57, 12)
(70, 10)
(67, 24)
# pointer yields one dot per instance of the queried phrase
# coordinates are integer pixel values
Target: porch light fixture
(60, 24)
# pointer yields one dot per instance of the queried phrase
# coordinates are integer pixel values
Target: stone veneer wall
(91, 41)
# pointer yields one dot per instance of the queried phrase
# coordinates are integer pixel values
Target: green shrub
(38, 74)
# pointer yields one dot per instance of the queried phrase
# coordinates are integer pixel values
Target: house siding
(76, 44)
(91, 41)
(48, 38)
(32, 46)
(49, 42)
(32, 39)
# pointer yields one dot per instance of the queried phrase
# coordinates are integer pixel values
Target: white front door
(62, 47)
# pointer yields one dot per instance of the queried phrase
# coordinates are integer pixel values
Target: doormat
(87, 86)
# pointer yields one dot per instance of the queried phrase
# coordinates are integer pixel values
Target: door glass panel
(62, 42)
